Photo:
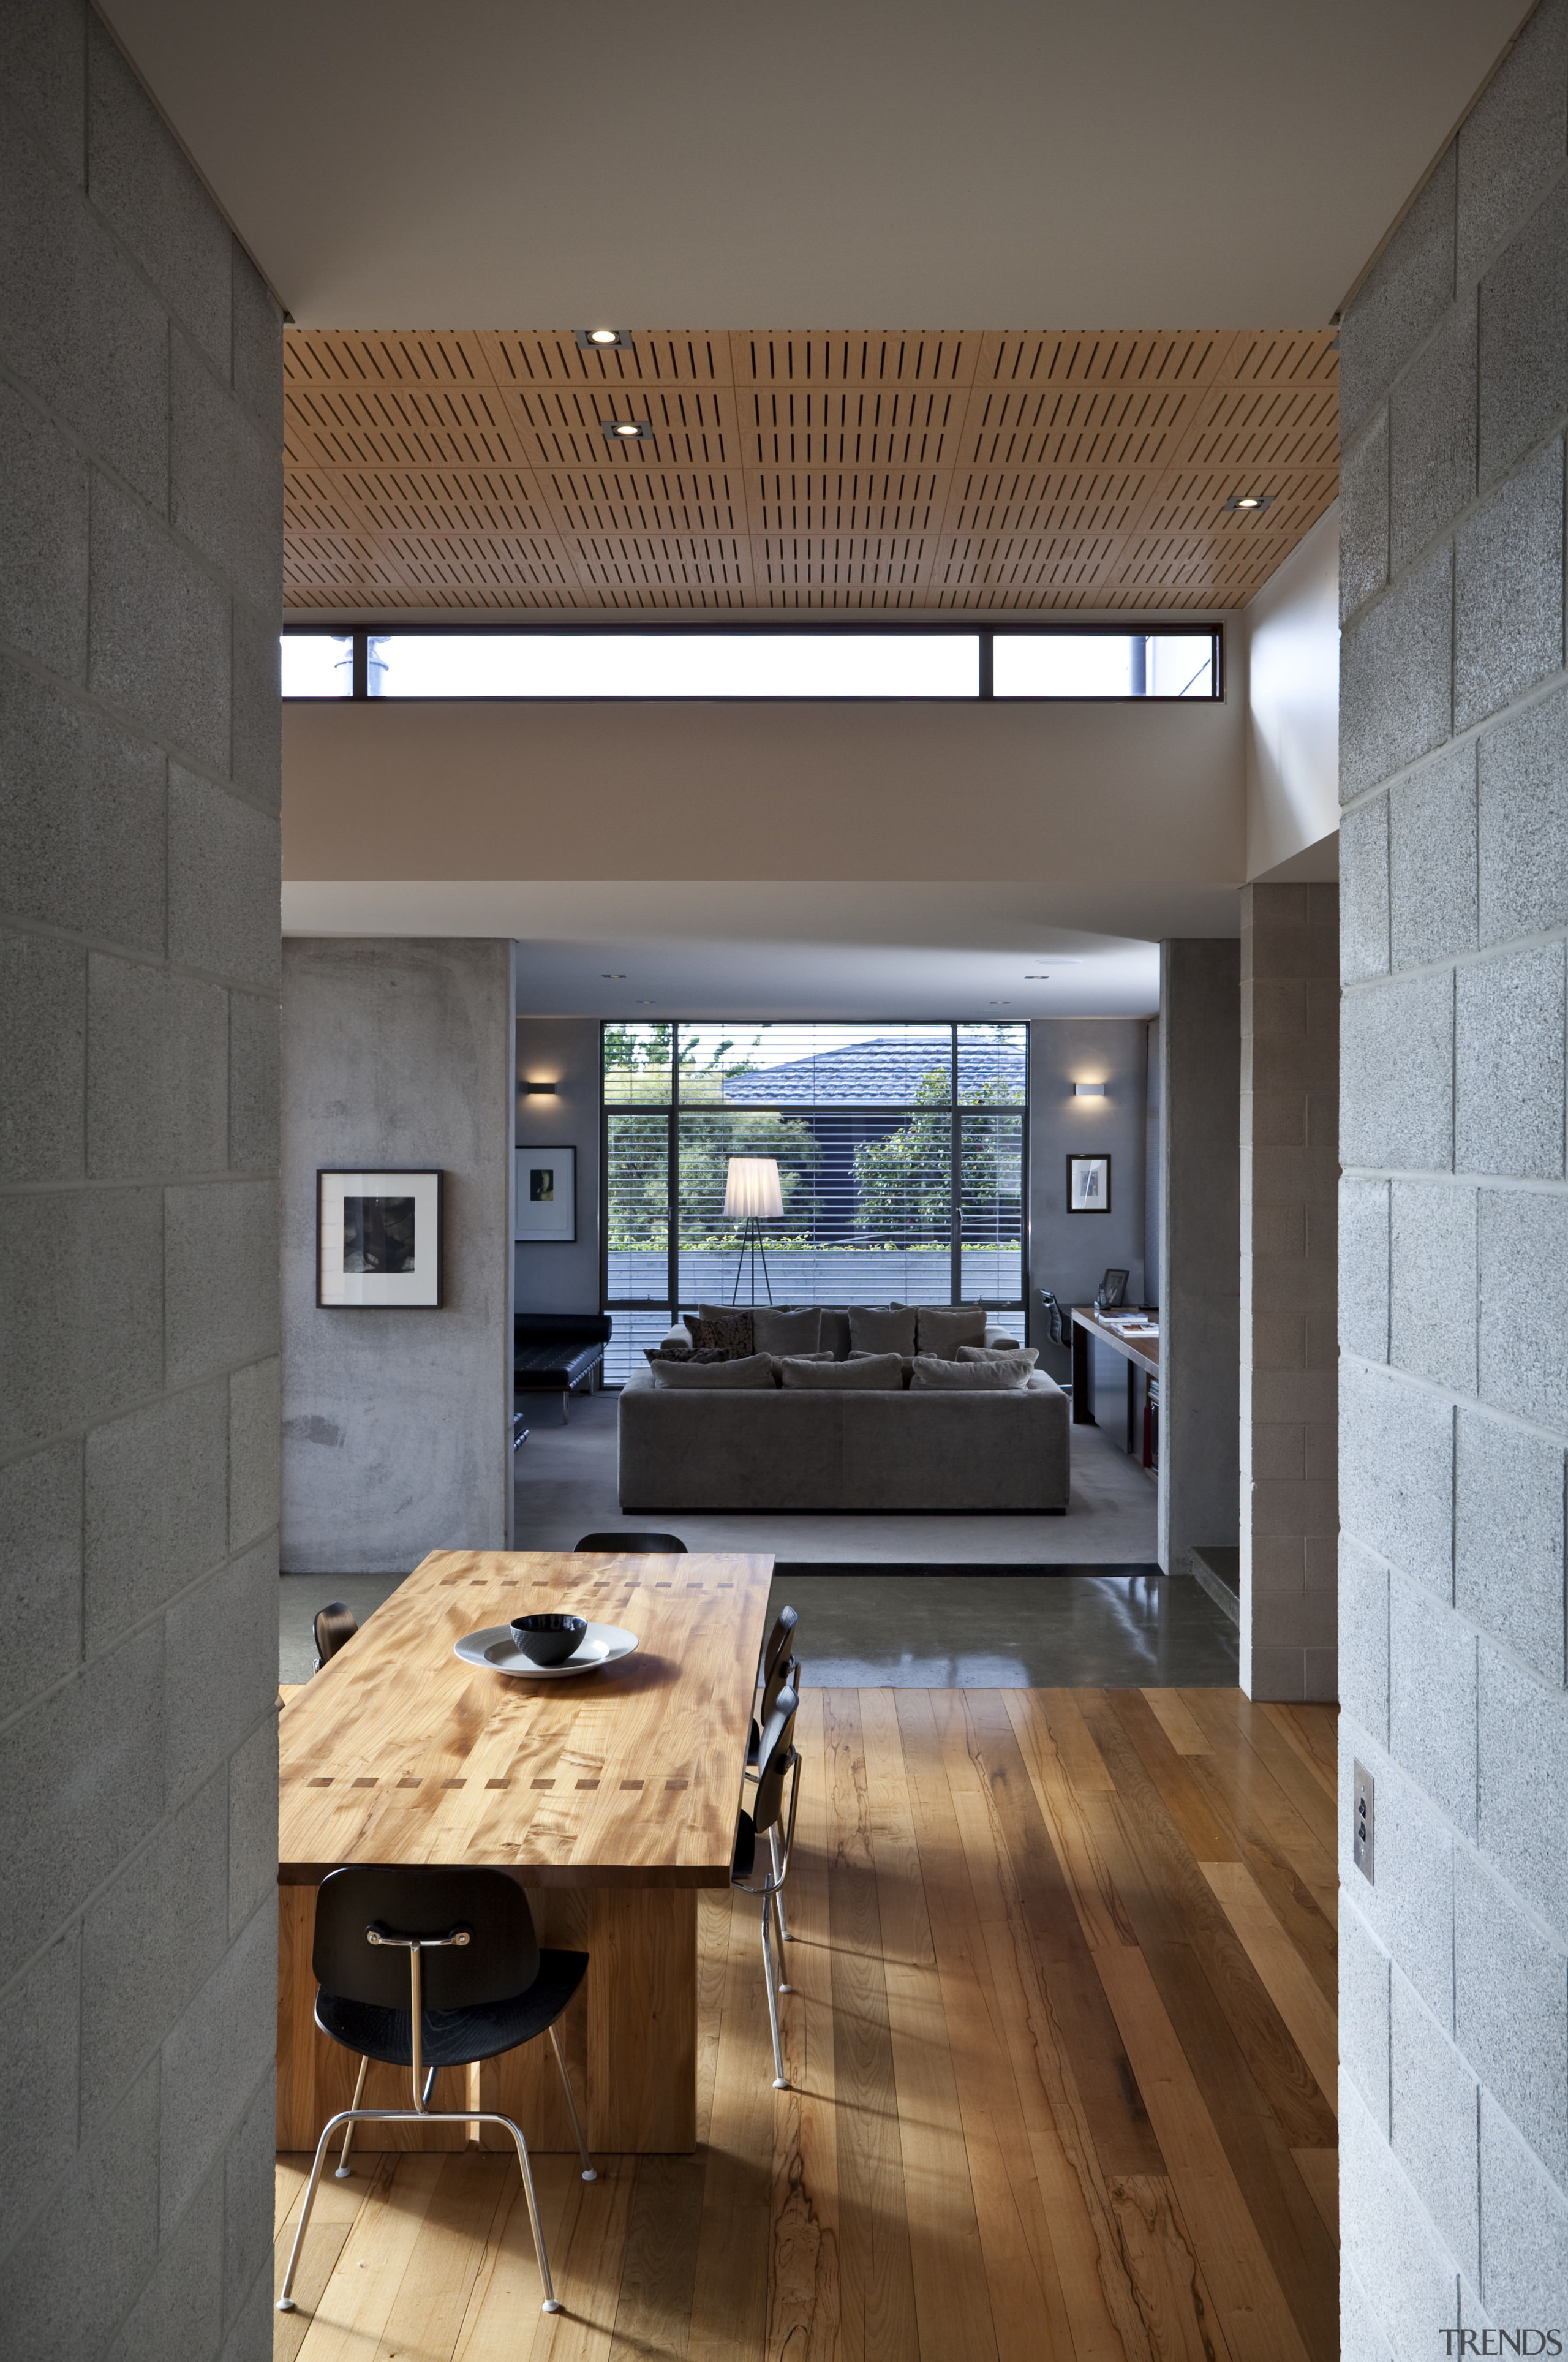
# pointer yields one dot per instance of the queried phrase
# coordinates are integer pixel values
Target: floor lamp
(751, 1190)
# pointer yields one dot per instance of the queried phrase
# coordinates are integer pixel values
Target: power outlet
(1364, 1833)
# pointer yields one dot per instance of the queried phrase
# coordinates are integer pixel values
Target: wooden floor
(1063, 2039)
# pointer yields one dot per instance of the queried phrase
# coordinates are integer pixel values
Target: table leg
(1083, 1378)
(1132, 1407)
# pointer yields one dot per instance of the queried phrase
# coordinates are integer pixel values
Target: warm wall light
(532, 1090)
(1088, 1090)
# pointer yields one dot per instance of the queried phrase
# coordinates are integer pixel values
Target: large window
(847, 662)
(901, 1154)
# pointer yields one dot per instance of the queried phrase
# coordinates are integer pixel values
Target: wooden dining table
(611, 1795)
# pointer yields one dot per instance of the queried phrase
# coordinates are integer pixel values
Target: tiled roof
(883, 1072)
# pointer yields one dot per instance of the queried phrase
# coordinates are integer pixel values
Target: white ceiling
(1132, 163)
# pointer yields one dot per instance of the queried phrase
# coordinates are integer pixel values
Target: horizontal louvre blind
(636, 1208)
(991, 1209)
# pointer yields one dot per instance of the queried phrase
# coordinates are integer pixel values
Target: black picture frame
(1080, 1167)
(420, 1233)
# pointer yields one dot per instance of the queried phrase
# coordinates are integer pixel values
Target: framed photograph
(378, 1237)
(547, 1194)
(1088, 1185)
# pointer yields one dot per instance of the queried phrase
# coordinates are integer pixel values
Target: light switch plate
(1363, 1833)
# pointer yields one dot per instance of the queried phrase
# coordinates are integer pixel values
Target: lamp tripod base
(751, 1243)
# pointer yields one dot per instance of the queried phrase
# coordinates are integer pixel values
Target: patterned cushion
(732, 1330)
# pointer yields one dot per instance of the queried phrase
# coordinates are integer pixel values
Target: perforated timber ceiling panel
(794, 468)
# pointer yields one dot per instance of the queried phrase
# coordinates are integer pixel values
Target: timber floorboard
(1059, 2037)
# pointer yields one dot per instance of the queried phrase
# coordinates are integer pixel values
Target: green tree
(905, 1180)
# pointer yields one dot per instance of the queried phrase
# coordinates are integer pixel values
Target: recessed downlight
(1249, 501)
(1038, 976)
(626, 430)
(604, 341)
(613, 975)
(999, 1004)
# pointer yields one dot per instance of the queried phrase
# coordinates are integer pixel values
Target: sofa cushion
(999, 1371)
(945, 1327)
(994, 1352)
(882, 1372)
(669, 1352)
(881, 1328)
(777, 1331)
(732, 1330)
(749, 1370)
(906, 1361)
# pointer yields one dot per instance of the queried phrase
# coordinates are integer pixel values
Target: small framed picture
(1088, 1185)
(547, 1194)
(378, 1237)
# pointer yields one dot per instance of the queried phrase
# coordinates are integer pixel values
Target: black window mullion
(954, 1185)
(361, 672)
(672, 1170)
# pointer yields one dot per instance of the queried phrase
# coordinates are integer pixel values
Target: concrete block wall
(1290, 1512)
(1454, 1236)
(140, 563)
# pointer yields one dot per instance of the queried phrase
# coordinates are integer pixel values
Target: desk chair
(635, 1545)
(476, 1983)
(334, 1625)
(778, 1762)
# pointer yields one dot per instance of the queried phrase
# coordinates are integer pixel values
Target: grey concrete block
(1523, 1757)
(221, 1277)
(81, 1307)
(1363, 1269)
(1507, 591)
(1365, 2014)
(1397, 1472)
(1512, 143)
(1388, 2243)
(1409, 1909)
(40, 1574)
(258, 337)
(250, 2335)
(1361, 2335)
(1435, 2124)
(1431, 1285)
(1523, 365)
(256, 759)
(1432, 1700)
(221, 1665)
(184, 2297)
(1508, 1538)
(1522, 1259)
(215, 2058)
(252, 1822)
(160, 631)
(1364, 1638)
(1432, 437)
(1404, 294)
(1364, 891)
(1509, 1065)
(83, 1783)
(43, 1022)
(65, 2287)
(39, 2042)
(68, 298)
(43, 48)
(249, 2175)
(1432, 860)
(1524, 2239)
(43, 512)
(156, 1507)
(1512, 2027)
(1523, 823)
(1407, 636)
(225, 884)
(1364, 516)
(157, 1073)
(143, 186)
(254, 1106)
(1397, 1074)
(149, 1943)
(254, 1419)
(81, 818)
(226, 481)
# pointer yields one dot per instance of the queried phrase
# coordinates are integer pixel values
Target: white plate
(494, 1648)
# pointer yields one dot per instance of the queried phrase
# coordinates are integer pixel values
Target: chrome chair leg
(552, 2302)
(341, 2170)
(784, 1934)
(589, 2171)
(285, 2300)
(784, 1985)
(781, 2081)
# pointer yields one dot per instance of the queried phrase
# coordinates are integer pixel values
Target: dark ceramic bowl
(548, 1639)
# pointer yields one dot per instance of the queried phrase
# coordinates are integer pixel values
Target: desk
(612, 1797)
(1141, 1355)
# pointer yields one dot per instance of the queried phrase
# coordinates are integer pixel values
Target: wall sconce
(1088, 1090)
(532, 1090)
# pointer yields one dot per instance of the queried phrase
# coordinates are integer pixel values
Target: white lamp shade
(752, 1187)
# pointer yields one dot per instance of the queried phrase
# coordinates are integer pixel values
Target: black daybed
(555, 1352)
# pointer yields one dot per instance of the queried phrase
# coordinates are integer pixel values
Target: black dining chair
(426, 1968)
(635, 1545)
(780, 1669)
(779, 1762)
(335, 1625)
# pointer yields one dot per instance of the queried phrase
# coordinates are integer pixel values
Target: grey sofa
(786, 1450)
